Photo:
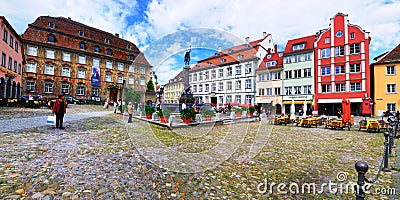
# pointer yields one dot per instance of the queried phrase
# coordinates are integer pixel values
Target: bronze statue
(187, 57)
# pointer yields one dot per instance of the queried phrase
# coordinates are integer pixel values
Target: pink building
(11, 61)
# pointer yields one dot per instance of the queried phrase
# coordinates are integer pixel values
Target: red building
(341, 66)
(11, 61)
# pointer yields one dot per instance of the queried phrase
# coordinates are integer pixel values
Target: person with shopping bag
(59, 108)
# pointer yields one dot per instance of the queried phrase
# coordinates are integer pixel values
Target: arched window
(82, 45)
(109, 52)
(96, 49)
(51, 38)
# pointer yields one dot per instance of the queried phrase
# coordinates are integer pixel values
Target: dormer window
(222, 60)
(128, 47)
(298, 46)
(269, 56)
(96, 49)
(81, 33)
(131, 57)
(209, 64)
(109, 52)
(230, 51)
(280, 54)
(240, 56)
(51, 38)
(52, 25)
(82, 45)
(107, 41)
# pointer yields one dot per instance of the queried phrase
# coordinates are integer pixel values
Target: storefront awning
(352, 100)
(264, 101)
(296, 102)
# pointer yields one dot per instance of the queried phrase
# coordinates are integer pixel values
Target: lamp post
(371, 103)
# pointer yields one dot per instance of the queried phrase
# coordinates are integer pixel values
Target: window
(355, 87)
(81, 73)
(326, 88)
(109, 64)
(19, 68)
(355, 68)
(288, 74)
(297, 58)
(213, 74)
(268, 91)
(82, 60)
(339, 70)
(229, 71)
(81, 33)
(142, 82)
(66, 71)
(248, 68)
(238, 70)
(3, 59)
(131, 69)
(66, 57)
(16, 46)
(131, 57)
(339, 51)
(280, 55)
(52, 25)
(50, 54)
(325, 71)
(340, 87)
(95, 92)
(30, 86)
(49, 69)
(238, 99)
(194, 77)
(327, 40)
(65, 88)
(326, 53)
(297, 73)
(11, 41)
(222, 60)
(390, 70)
(238, 85)
(206, 75)
(109, 52)
(277, 91)
(307, 56)
(220, 73)
(190, 78)
(9, 63)
(288, 90)
(107, 78)
(32, 51)
(82, 45)
(269, 56)
(391, 106)
(5, 35)
(128, 46)
(120, 67)
(248, 99)
(391, 88)
(229, 85)
(307, 72)
(268, 76)
(228, 98)
(240, 56)
(220, 86)
(261, 77)
(131, 80)
(142, 70)
(200, 88)
(307, 89)
(51, 38)
(288, 60)
(200, 76)
(354, 48)
(298, 46)
(48, 88)
(31, 67)
(221, 99)
(277, 75)
(96, 49)
(248, 84)
(207, 87)
(297, 89)
(261, 92)
(107, 41)
(194, 88)
(120, 79)
(80, 90)
(352, 35)
(15, 66)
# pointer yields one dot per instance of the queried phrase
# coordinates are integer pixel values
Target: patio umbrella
(304, 109)
(292, 111)
(345, 110)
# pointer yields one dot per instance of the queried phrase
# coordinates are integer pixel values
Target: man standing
(130, 112)
(59, 108)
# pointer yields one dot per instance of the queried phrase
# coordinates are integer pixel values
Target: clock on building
(339, 34)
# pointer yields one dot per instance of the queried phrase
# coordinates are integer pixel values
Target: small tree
(150, 86)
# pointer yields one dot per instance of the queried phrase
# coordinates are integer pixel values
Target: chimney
(247, 39)
(117, 34)
(264, 34)
(69, 17)
(219, 48)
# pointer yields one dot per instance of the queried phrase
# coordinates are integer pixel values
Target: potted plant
(251, 111)
(208, 113)
(238, 112)
(164, 115)
(187, 114)
(149, 110)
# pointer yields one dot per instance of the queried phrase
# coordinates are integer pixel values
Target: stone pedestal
(233, 115)
(198, 118)
(172, 119)
(244, 113)
(217, 116)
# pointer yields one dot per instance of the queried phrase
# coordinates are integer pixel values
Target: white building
(229, 76)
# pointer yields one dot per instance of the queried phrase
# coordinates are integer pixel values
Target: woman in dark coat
(59, 108)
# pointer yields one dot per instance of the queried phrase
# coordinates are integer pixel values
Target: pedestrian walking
(59, 108)
(130, 112)
(115, 107)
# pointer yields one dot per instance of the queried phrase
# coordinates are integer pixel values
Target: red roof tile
(392, 56)
(274, 57)
(308, 40)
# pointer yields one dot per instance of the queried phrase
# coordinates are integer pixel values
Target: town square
(157, 100)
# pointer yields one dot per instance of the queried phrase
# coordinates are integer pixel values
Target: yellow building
(385, 81)
(174, 88)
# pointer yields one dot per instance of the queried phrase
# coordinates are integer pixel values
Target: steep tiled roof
(178, 78)
(141, 59)
(66, 33)
(273, 57)
(308, 40)
(392, 56)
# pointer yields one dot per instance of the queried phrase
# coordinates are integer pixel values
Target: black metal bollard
(391, 140)
(361, 168)
(386, 153)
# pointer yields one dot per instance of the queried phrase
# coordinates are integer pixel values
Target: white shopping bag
(51, 120)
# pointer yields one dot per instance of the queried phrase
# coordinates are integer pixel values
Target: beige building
(174, 88)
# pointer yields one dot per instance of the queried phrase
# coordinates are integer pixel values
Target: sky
(149, 23)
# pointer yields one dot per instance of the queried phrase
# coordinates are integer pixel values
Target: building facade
(386, 79)
(174, 88)
(11, 61)
(67, 57)
(229, 76)
(298, 71)
(269, 82)
(341, 66)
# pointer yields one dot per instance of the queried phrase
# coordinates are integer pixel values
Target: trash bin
(352, 119)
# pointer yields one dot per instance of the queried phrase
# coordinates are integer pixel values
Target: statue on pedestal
(187, 57)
